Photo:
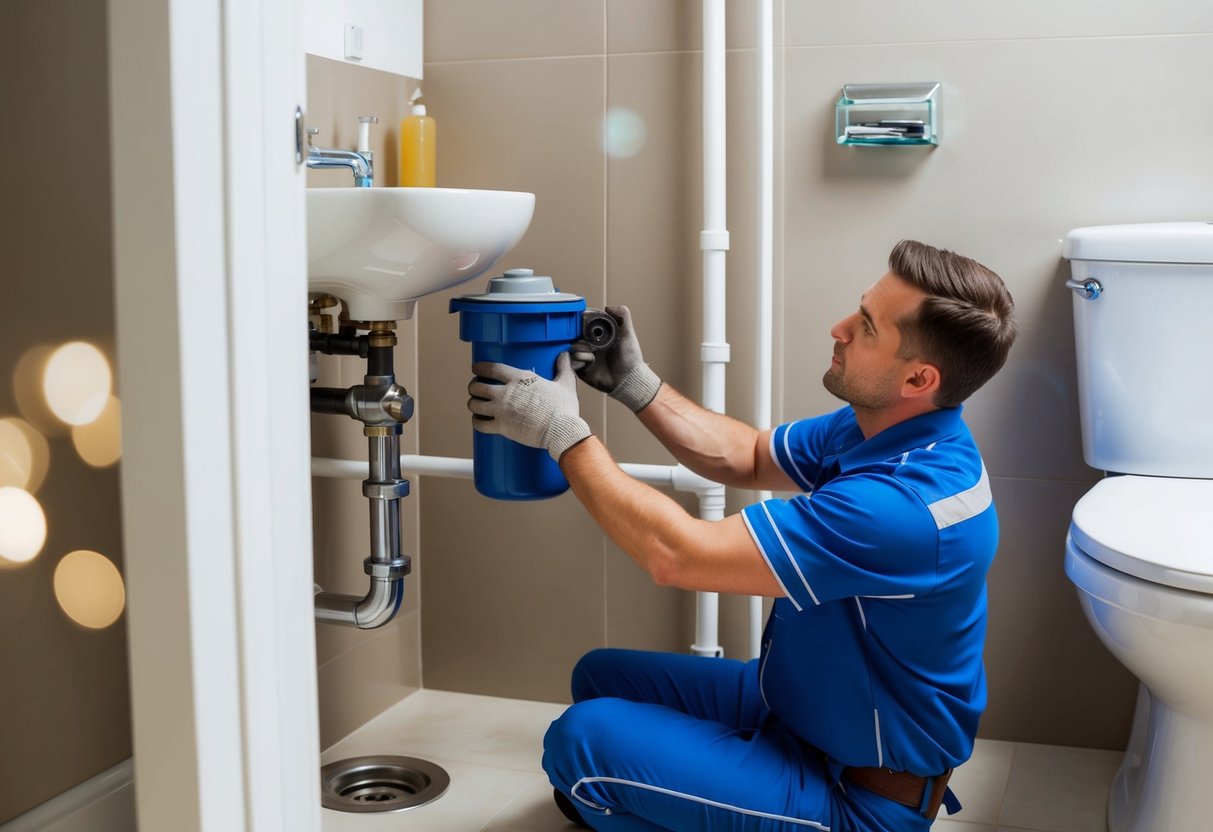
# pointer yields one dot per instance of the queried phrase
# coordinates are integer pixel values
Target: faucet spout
(327, 157)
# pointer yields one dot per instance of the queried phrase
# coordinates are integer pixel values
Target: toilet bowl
(1140, 553)
(1140, 547)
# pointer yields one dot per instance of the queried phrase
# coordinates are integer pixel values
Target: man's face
(866, 371)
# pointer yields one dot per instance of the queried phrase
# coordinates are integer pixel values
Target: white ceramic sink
(380, 249)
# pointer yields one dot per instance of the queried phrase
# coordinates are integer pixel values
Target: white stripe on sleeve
(745, 518)
(960, 507)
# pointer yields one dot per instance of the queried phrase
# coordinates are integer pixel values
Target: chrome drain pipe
(383, 407)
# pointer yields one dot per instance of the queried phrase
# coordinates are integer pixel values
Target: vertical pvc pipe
(766, 249)
(714, 240)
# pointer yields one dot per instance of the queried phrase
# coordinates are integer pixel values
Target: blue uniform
(872, 658)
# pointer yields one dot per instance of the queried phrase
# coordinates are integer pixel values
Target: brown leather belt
(922, 793)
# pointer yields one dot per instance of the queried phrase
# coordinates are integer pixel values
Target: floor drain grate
(381, 784)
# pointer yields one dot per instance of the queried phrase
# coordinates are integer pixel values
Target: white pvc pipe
(677, 477)
(714, 240)
(766, 255)
(354, 469)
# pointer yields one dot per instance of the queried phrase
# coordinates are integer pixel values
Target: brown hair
(964, 326)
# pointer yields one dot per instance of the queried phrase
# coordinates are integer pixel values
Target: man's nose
(841, 331)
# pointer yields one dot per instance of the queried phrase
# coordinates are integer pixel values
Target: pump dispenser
(418, 148)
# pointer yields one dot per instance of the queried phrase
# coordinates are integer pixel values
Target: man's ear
(923, 381)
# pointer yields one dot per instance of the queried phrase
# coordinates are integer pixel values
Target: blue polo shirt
(875, 654)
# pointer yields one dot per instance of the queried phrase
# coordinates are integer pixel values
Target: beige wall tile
(1006, 197)
(466, 30)
(676, 25)
(364, 681)
(654, 216)
(1050, 679)
(873, 21)
(513, 592)
(641, 615)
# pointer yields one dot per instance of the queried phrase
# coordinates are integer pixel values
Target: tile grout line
(488, 824)
(1006, 786)
(606, 271)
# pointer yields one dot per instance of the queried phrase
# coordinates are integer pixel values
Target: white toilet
(1140, 547)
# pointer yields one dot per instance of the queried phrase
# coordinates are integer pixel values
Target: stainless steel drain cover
(381, 784)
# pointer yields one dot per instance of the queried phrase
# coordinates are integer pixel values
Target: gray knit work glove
(620, 371)
(528, 408)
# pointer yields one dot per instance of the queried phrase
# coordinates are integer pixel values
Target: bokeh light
(77, 382)
(89, 589)
(24, 455)
(22, 526)
(99, 443)
(28, 375)
(623, 133)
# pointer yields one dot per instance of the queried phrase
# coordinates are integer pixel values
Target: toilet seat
(1158, 529)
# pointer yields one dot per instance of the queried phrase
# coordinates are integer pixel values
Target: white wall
(391, 33)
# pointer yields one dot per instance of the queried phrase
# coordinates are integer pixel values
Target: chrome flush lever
(1089, 289)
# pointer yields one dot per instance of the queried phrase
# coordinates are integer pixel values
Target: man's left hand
(527, 408)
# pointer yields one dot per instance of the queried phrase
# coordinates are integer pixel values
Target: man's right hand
(618, 371)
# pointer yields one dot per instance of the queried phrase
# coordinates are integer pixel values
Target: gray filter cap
(522, 286)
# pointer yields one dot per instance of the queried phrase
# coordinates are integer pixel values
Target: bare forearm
(710, 444)
(675, 548)
(640, 520)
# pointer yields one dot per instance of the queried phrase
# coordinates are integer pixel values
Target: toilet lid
(1154, 528)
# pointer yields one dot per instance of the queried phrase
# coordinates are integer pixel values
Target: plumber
(870, 682)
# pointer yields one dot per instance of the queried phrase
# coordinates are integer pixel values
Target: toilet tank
(1143, 326)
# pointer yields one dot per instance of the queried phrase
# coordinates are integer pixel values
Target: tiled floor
(491, 749)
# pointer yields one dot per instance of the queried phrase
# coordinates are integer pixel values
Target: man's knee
(571, 740)
(587, 671)
(582, 724)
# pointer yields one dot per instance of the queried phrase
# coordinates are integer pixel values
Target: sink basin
(380, 249)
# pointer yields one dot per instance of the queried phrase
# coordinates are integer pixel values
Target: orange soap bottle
(418, 147)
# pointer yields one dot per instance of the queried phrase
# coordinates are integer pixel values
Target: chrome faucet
(359, 161)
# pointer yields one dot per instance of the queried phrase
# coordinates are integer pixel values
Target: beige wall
(64, 706)
(361, 672)
(1054, 117)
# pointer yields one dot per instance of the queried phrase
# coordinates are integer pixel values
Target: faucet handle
(364, 134)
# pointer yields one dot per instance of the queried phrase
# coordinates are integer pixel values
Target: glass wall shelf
(883, 115)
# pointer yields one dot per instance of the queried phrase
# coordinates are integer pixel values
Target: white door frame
(210, 275)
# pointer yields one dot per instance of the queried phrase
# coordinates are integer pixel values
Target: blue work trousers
(658, 741)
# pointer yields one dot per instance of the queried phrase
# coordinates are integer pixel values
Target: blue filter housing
(524, 322)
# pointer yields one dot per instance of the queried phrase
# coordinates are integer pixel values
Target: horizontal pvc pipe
(353, 469)
(677, 477)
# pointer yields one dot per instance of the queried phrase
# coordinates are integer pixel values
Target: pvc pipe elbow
(684, 479)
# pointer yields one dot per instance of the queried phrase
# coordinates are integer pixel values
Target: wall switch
(353, 42)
